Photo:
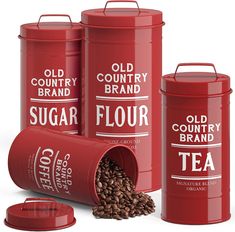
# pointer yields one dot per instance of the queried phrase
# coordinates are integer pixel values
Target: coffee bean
(102, 196)
(135, 201)
(118, 193)
(99, 184)
(117, 217)
(111, 182)
(101, 207)
(118, 198)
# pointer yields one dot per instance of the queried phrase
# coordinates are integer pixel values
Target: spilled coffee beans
(118, 199)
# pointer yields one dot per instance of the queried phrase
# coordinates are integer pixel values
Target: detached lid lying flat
(122, 17)
(40, 214)
(51, 30)
(195, 84)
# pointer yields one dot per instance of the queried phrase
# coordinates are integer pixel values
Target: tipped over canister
(63, 165)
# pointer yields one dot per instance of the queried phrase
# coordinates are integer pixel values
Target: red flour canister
(196, 172)
(51, 74)
(63, 165)
(123, 68)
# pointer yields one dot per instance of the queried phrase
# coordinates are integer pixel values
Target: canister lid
(122, 17)
(195, 84)
(55, 31)
(40, 214)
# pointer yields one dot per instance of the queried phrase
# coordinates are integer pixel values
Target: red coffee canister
(123, 69)
(196, 149)
(62, 165)
(51, 74)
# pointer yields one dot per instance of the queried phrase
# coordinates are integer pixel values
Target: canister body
(50, 77)
(63, 165)
(195, 159)
(123, 69)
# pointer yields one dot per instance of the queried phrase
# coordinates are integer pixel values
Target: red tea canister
(51, 74)
(196, 150)
(123, 68)
(63, 165)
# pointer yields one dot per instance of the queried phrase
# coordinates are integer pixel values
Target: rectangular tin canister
(123, 68)
(51, 75)
(196, 152)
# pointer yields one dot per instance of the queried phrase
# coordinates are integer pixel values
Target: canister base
(198, 223)
(195, 210)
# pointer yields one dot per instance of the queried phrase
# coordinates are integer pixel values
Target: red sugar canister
(51, 74)
(196, 172)
(62, 165)
(123, 69)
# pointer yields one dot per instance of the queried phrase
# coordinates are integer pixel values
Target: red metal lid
(55, 31)
(40, 214)
(122, 17)
(195, 84)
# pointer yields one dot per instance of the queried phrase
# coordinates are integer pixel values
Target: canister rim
(196, 96)
(51, 31)
(49, 40)
(122, 18)
(196, 84)
(110, 148)
(123, 27)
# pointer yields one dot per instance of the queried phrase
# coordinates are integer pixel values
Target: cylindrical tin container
(123, 68)
(196, 173)
(57, 164)
(51, 75)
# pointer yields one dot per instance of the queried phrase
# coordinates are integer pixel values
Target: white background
(196, 30)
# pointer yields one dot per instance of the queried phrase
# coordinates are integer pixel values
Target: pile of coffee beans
(118, 198)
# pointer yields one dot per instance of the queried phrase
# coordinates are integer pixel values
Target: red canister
(195, 107)
(123, 68)
(57, 164)
(51, 74)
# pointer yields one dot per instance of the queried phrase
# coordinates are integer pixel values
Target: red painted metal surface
(123, 68)
(196, 166)
(51, 75)
(57, 164)
(40, 214)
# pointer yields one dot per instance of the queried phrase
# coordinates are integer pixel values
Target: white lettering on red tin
(197, 144)
(52, 171)
(54, 116)
(45, 169)
(53, 102)
(196, 164)
(63, 174)
(122, 80)
(54, 84)
(122, 102)
(129, 115)
(196, 129)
